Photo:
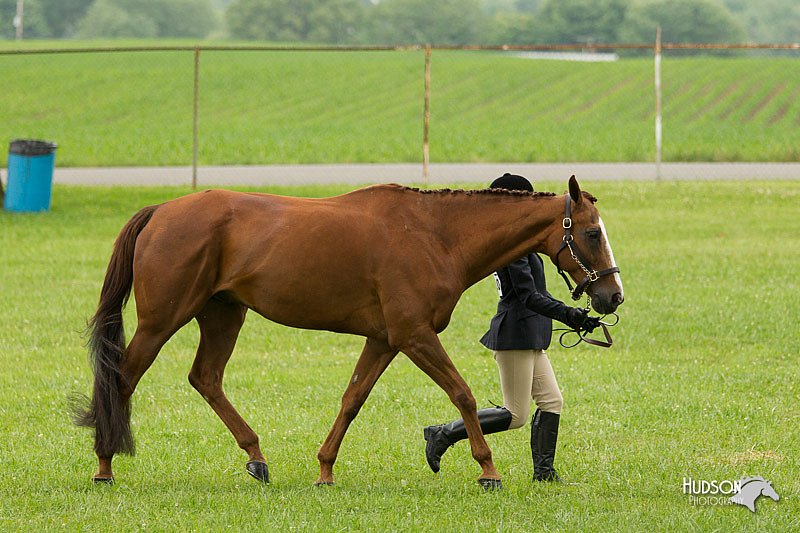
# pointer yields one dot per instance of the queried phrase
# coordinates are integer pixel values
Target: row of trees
(413, 21)
(48, 19)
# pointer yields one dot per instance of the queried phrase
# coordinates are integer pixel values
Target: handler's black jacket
(525, 311)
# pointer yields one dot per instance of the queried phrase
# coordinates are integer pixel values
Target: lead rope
(583, 335)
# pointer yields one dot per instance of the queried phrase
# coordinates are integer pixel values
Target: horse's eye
(593, 234)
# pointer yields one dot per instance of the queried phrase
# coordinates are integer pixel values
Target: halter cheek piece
(568, 243)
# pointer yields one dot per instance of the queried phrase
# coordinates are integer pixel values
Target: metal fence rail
(657, 48)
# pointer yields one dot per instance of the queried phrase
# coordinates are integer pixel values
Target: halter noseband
(568, 243)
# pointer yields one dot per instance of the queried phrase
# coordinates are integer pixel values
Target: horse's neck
(489, 231)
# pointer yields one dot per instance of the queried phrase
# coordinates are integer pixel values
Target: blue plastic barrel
(30, 175)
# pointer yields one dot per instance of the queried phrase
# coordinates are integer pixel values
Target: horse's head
(580, 248)
(750, 489)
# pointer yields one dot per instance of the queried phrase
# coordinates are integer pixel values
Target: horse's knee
(349, 412)
(464, 400)
(482, 454)
(351, 405)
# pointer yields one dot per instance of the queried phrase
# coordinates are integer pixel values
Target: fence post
(195, 118)
(19, 19)
(426, 117)
(658, 101)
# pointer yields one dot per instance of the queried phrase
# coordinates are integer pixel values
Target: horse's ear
(575, 190)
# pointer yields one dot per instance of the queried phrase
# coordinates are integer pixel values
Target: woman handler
(519, 334)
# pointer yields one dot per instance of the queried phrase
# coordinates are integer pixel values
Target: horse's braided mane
(491, 192)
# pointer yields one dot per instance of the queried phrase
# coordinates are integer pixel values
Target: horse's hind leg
(139, 355)
(220, 323)
(375, 357)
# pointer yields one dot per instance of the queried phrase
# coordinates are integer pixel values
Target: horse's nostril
(617, 298)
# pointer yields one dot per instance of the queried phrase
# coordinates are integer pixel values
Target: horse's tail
(106, 412)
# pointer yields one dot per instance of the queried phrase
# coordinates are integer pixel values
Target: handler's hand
(579, 319)
(575, 317)
(590, 323)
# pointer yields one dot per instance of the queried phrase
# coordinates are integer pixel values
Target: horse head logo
(750, 488)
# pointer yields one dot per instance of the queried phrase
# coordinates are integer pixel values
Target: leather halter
(568, 243)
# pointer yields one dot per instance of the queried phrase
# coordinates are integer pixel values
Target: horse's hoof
(258, 470)
(104, 480)
(490, 484)
(323, 483)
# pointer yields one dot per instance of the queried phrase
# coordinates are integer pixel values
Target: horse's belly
(312, 301)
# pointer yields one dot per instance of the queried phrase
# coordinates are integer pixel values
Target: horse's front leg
(374, 359)
(426, 351)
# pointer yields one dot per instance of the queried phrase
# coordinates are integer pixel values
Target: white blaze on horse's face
(607, 248)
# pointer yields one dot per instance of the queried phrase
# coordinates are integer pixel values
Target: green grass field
(135, 108)
(702, 382)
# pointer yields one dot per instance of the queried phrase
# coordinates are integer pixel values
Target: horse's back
(302, 262)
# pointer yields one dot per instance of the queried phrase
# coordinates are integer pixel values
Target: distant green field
(135, 108)
(702, 382)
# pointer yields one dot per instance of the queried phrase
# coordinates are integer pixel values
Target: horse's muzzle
(605, 304)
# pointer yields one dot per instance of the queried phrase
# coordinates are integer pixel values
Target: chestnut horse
(386, 262)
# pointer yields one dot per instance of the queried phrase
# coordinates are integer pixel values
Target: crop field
(702, 383)
(255, 107)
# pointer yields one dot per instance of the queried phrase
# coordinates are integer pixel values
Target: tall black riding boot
(439, 438)
(544, 434)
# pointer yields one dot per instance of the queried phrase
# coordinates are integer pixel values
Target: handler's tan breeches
(526, 374)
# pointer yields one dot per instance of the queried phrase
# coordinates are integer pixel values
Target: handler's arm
(522, 280)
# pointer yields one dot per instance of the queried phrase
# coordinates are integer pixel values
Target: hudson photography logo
(728, 492)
